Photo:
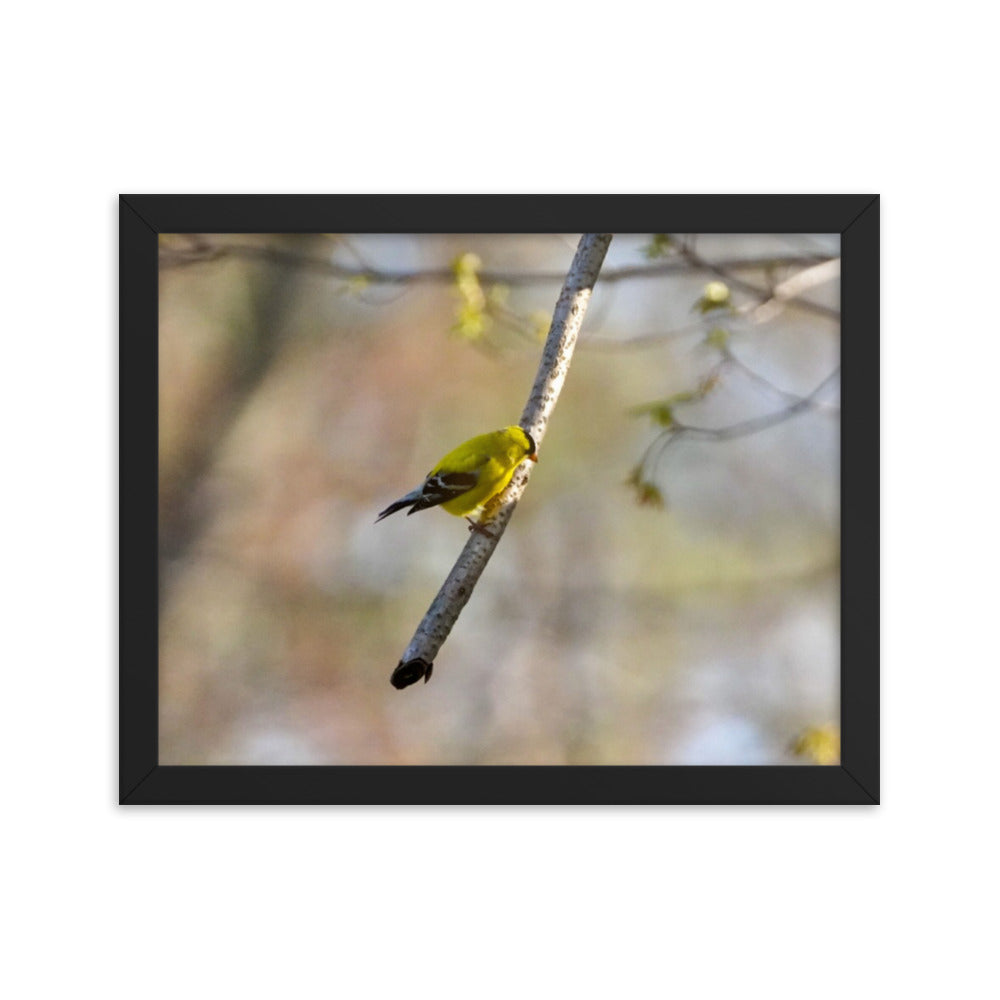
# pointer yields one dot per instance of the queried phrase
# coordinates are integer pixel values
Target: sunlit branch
(418, 660)
(722, 269)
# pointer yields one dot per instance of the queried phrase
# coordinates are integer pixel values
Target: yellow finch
(466, 479)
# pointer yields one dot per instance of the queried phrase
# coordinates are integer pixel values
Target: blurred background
(668, 590)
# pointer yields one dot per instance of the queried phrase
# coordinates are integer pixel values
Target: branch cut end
(410, 672)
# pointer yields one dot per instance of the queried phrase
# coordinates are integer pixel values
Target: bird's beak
(534, 458)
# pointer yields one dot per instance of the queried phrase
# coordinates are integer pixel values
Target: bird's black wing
(443, 487)
(439, 488)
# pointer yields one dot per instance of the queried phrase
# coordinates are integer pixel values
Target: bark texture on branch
(418, 659)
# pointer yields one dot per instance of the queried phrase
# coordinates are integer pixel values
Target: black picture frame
(143, 781)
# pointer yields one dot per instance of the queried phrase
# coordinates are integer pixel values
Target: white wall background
(712, 902)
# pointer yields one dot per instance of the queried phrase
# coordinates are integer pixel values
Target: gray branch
(202, 250)
(418, 660)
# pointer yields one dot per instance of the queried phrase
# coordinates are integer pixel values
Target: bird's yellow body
(471, 475)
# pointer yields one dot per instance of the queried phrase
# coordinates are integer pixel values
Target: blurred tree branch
(764, 306)
(203, 249)
(418, 659)
(784, 293)
(757, 424)
(675, 430)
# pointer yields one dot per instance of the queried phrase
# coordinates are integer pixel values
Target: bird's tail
(407, 501)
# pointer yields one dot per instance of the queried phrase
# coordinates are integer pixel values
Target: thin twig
(731, 361)
(744, 428)
(418, 660)
(756, 424)
(203, 252)
(764, 295)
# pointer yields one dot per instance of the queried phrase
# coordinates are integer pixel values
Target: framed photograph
(639, 435)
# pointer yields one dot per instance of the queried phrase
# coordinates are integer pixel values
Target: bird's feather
(436, 489)
(443, 487)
